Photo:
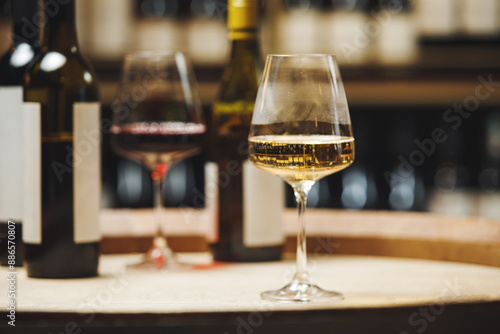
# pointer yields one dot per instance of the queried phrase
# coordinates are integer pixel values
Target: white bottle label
(11, 157)
(212, 199)
(263, 204)
(86, 172)
(32, 190)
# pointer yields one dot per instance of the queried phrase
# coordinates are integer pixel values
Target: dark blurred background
(422, 80)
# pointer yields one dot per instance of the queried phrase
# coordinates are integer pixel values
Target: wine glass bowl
(157, 121)
(157, 116)
(301, 131)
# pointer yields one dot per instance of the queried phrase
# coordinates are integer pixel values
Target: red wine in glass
(158, 143)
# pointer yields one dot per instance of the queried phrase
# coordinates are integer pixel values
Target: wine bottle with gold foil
(245, 200)
(62, 154)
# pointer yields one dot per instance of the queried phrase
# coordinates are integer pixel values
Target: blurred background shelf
(405, 64)
(377, 90)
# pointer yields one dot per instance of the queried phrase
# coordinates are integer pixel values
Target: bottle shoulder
(241, 76)
(240, 80)
(13, 64)
(53, 69)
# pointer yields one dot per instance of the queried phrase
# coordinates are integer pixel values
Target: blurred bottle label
(87, 171)
(32, 220)
(82, 160)
(11, 173)
(212, 199)
(263, 203)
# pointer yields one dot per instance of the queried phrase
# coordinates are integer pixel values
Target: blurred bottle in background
(346, 31)
(206, 32)
(25, 37)
(61, 133)
(452, 194)
(297, 29)
(105, 27)
(397, 38)
(358, 189)
(437, 18)
(488, 178)
(247, 201)
(407, 191)
(479, 17)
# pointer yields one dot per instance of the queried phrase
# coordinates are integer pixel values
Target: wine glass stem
(159, 241)
(301, 274)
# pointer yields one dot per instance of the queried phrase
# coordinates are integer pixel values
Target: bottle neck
(242, 24)
(25, 28)
(60, 30)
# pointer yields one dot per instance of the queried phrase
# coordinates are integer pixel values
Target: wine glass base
(163, 266)
(159, 257)
(302, 293)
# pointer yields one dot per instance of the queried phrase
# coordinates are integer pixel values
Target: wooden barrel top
(400, 273)
(218, 295)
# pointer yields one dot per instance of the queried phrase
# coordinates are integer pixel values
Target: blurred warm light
(22, 55)
(52, 61)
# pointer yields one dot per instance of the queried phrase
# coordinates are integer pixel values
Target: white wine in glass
(301, 131)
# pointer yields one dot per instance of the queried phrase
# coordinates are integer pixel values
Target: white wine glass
(157, 121)
(301, 131)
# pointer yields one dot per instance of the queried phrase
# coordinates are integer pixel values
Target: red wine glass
(157, 121)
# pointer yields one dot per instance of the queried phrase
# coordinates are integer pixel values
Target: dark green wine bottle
(13, 64)
(62, 143)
